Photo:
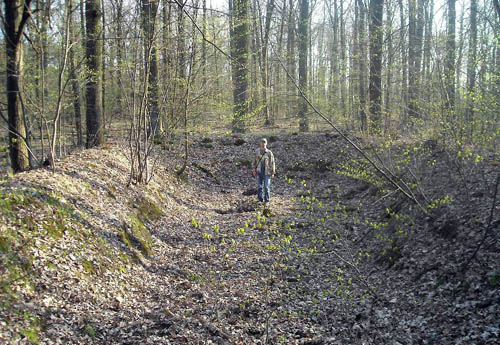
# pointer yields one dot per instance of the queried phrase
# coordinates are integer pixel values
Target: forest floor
(195, 259)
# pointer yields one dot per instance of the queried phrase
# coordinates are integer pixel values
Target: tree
(73, 76)
(239, 53)
(290, 49)
(497, 8)
(361, 64)
(17, 14)
(390, 61)
(266, 81)
(449, 70)
(471, 68)
(412, 58)
(376, 38)
(149, 12)
(93, 91)
(303, 53)
(404, 62)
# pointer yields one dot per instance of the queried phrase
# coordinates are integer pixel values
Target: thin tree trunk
(412, 59)
(149, 12)
(389, 69)
(362, 66)
(471, 70)
(290, 48)
(74, 79)
(450, 59)
(429, 17)
(265, 62)
(204, 46)
(303, 55)
(376, 38)
(119, 55)
(103, 56)
(343, 60)
(404, 64)
(277, 90)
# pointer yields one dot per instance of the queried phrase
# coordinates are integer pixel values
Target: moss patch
(147, 210)
(137, 236)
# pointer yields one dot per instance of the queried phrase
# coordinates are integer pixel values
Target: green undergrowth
(135, 232)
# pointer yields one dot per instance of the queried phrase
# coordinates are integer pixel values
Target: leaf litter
(329, 265)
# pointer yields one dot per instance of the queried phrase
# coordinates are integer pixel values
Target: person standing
(264, 169)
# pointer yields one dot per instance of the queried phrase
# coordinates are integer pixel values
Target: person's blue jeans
(264, 188)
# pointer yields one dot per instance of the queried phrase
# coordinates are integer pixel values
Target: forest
(129, 213)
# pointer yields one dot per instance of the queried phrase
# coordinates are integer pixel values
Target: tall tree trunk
(362, 65)
(278, 88)
(265, 63)
(74, 78)
(240, 56)
(256, 39)
(303, 54)
(103, 56)
(404, 64)
(412, 58)
(204, 46)
(389, 69)
(429, 17)
(290, 49)
(343, 60)
(17, 13)
(119, 55)
(471, 69)
(166, 66)
(149, 12)
(333, 87)
(93, 92)
(376, 38)
(449, 71)
(496, 4)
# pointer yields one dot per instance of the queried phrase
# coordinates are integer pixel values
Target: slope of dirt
(194, 260)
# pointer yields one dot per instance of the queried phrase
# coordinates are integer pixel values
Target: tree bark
(389, 69)
(17, 13)
(204, 46)
(412, 59)
(471, 69)
(376, 38)
(362, 65)
(290, 49)
(240, 56)
(265, 63)
(429, 17)
(149, 12)
(404, 64)
(103, 72)
(93, 92)
(449, 71)
(496, 4)
(303, 55)
(75, 85)
(119, 56)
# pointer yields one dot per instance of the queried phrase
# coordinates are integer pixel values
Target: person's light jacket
(267, 160)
